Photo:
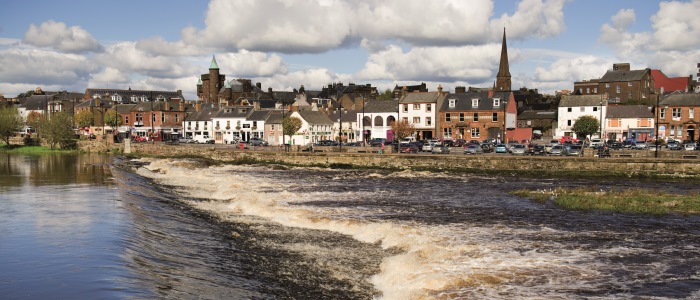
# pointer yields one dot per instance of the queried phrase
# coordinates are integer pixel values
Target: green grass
(32, 149)
(638, 201)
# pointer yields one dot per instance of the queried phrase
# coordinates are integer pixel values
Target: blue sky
(156, 44)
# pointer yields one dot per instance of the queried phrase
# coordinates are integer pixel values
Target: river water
(89, 227)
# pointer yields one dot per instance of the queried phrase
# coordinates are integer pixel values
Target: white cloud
(573, 69)
(251, 64)
(677, 26)
(109, 77)
(35, 66)
(449, 64)
(58, 36)
(126, 57)
(312, 26)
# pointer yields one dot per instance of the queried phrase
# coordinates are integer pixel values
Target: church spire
(503, 82)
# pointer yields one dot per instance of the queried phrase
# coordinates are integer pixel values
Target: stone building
(679, 116)
(476, 116)
(209, 84)
(503, 80)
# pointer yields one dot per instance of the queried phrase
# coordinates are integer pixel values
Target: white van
(26, 130)
(203, 139)
(408, 139)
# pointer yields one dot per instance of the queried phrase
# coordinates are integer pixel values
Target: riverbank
(32, 150)
(480, 164)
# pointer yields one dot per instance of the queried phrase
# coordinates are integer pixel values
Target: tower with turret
(210, 84)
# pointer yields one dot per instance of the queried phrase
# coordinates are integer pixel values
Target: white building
(378, 116)
(572, 107)
(315, 126)
(230, 124)
(421, 109)
(199, 122)
(629, 122)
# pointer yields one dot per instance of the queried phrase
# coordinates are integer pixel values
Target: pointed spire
(503, 81)
(213, 65)
(227, 85)
(200, 81)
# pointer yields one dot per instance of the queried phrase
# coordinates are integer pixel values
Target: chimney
(490, 93)
(256, 105)
(259, 85)
(269, 90)
(439, 88)
(98, 102)
(198, 106)
(182, 106)
(460, 89)
(404, 90)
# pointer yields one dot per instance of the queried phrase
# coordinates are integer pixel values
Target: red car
(408, 148)
(565, 139)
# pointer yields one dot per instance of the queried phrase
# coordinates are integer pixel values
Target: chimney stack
(198, 106)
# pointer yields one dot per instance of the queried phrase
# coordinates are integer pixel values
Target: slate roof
(266, 103)
(275, 117)
(287, 97)
(36, 102)
(581, 100)
(258, 115)
(420, 97)
(382, 106)
(623, 76)
(464, 101)
(231, 112)
(349, 116)
(315, 117)
(680, 99)
(202, 115)
(629, 111)
(125, 108)
(157, 106)
(538, 115)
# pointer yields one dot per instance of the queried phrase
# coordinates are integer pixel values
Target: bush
(29, 141)
(68, 144)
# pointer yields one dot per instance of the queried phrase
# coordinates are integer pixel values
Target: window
(496, 102)
(580, 90)
(679, 131)
(428, 121)
(629, 84)
(476, 133)
(617, 88)
(126, 120)
(405, 108)
(595, 90)
(595, 108)
(461, 117)
(177, 118)
(673, 131)
(452, 102)
(405, 119)
(629, 94)
(476, 117)
(447, 132)
(475, 102)
(691, 113)
(153, 117)
(662, 113)
(447, 117)
(217, 124)
(676, 113)
(494, 117)
(568, 109)
(428, 107)
(588, 90)
(568, 122)
(607, 85)
(416, 106)
(162, 117)
(416, 120)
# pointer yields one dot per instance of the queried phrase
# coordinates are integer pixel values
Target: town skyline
(58, 46)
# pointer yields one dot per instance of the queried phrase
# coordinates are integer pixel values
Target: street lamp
(340, 126)
(153, 118)
(601, 119)
(656, 138)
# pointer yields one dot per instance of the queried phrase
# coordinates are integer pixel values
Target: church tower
(214, 81)
(503, 77)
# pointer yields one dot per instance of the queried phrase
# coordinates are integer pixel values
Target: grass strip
(634, 201)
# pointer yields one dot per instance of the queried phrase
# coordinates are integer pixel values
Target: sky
(165, 45)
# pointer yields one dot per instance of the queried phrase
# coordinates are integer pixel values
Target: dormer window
(496, 102)
(475, 102)
(452, 102)
(242, 110)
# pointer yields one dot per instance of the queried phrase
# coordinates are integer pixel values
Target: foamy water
(444, 256)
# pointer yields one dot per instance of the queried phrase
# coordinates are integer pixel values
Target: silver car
(556, 150)
(518, 149)
(440, 149)
(473, 149)
(428, 147)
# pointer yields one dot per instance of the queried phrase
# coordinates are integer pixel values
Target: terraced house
(477, 116)
(678, 116)
(420, 110)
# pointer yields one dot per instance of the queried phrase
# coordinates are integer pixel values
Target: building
(156, 118)
(678, 116)
(543, 120)
(420, 110)
(629, 122)
(377, 118)
(209, 84)
(119, 96)
(621, 85)
(503, 80)
(571, 107)
(671, 84)
(315, 126)
(199, 121)
(475, 116)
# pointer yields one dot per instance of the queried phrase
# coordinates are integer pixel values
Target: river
(89, 227)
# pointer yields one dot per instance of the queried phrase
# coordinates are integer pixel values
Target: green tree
(84, 118)
(290, 125)
(386, 95)
(57, 130)
(10, 122)
(402, 129)
(585, 126)
(112, 118)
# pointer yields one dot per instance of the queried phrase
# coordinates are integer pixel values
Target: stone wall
(565, 166)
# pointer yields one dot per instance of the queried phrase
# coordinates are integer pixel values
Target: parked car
(689, 146)
(641, 146)
(440, 149)
(518, 149)
(448, 143)
(473, 149)
(674, 145)
(186, 140)
(408, 148)
(487, 147)
(257, 142)
(567, 138)
(460, 143)
(616, 146)
(501, 148)
(557, 150)
(428, 147)
(203, 139)
(536, 149)
(573, 150)
(596, 143)
(376, 142)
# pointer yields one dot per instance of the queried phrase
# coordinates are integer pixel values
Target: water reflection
(53, 169)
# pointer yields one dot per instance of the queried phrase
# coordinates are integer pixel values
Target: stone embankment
(564, 166)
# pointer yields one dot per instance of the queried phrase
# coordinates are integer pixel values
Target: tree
(112, 118)
(402, 129)
(386, 95)
(290, 125)
(84, 118)
(56, 129)
(10, 122)
(585, 126)
(33, 119)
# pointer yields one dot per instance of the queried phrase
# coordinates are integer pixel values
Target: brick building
(622, 86)
(679, 116)
(209, 84)
(476, 116)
